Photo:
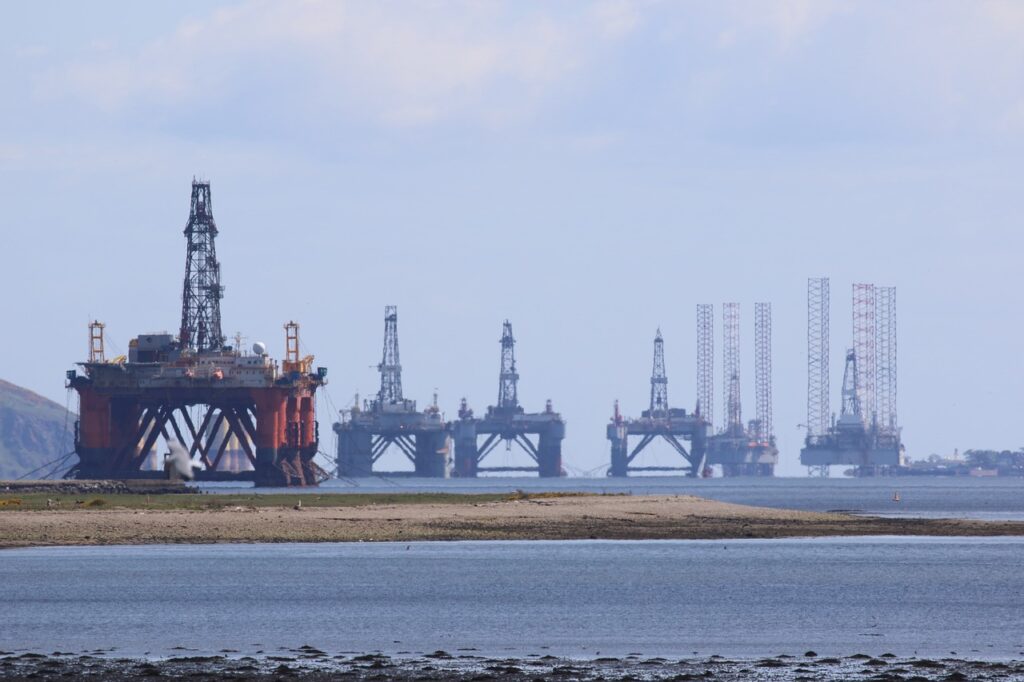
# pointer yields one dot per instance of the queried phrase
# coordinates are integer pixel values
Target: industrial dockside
(239, 415)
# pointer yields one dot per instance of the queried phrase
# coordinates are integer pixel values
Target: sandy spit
(596, 517)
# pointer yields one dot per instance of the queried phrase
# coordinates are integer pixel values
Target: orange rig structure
(242, 417)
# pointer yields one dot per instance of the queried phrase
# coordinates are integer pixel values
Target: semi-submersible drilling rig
(508, 422)
(227, 400)
(365, 433)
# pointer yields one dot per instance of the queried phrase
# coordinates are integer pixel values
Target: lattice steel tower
(864, 348)
(706, 362)
(659, 381)
(200, 300)
(817, 364)
(885, 299)
(731, 366)
(508, 379)
(763, 370)
(817, 356)
(390, 368)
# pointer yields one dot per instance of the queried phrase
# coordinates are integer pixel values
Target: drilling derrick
(366, 433)
(706, 363)
(750, 450)
(866, 434)
(508, 423)
(508, 380)
(256, 421)
(659, 382)
(672, 425)
(200, 300)
(390, 368)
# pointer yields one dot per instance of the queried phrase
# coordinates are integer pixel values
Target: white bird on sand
(177, 464)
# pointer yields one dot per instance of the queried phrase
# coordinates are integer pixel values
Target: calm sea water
(980, 498)
(929, 596)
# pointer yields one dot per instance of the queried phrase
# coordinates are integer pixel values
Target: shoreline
(309, 663)
(138, 519)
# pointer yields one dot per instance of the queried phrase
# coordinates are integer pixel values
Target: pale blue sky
(589, 171)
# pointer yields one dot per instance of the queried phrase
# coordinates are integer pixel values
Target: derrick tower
(659, 381)
(508, 379)
(390, 368)
(200, 299)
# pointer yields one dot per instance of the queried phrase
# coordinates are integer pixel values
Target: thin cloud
(398, 63)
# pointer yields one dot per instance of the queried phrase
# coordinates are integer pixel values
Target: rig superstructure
(739, 449)
(866, 433)
(674, 425)
(244, 416)
(508, 422)
(365, 433)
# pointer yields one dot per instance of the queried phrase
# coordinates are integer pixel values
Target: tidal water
(931, 497)
(737, 598)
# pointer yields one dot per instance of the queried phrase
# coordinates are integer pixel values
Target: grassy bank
(215, 502)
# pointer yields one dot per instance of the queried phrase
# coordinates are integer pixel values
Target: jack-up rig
(365, 434)
(659, 420)
(866, 434)
(244, 417)
(507, 422)
(740, 450)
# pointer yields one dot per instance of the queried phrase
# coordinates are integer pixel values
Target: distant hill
(33, 431)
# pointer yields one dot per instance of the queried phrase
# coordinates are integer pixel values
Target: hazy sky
(590, 171)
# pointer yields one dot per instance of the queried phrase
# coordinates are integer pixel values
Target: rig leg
(467, 455)
(431, 454)
(620, 454)
(549, 451)
(355, 453)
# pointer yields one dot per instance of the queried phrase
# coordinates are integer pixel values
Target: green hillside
(33, 431)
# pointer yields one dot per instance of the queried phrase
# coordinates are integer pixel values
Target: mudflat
(34, 520)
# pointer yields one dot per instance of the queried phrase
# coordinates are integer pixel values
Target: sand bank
(339, 518)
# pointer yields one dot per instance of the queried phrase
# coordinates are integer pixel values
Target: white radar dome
(259, 348)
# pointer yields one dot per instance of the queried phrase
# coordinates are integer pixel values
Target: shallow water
(930, 497)
(738, 598)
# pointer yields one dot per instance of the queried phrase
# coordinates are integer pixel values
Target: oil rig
(866, 433)
(365, 433)
(740, 450)
(674, 425)
(508, 422)
(244, 417)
